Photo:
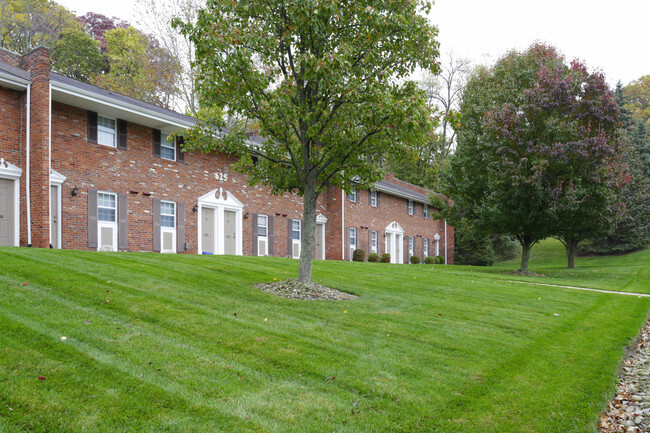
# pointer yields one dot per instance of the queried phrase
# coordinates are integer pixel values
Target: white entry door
(7, 222)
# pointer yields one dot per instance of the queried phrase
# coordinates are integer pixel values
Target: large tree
(326, 82)
(536, 154)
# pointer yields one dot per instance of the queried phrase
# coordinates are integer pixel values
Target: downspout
(28, 165)
(342, 225)
(49, 159)
(445, 242)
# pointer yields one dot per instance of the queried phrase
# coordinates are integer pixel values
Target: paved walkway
(640, 295)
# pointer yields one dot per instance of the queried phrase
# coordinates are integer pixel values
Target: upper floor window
(425, 211)
(411, 207)
(167, 147)
(106, 131)
(263, 225)
(353, 195)
(373, 198)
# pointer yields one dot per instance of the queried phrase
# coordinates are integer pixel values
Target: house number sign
(222, 177)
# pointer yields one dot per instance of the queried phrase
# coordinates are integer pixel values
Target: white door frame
(322, 220)
(396, 232)
(171, 230)
(13, 172)
(221, 201)
(56, 180)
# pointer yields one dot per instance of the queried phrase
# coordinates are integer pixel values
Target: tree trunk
(571, 248)
(308, 233)
(525, 255)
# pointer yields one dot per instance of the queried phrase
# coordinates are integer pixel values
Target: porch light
(75, 192)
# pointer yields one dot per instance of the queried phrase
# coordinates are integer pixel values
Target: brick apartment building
(85, 168)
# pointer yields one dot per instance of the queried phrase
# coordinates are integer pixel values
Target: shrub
(415, 260)
(373, 257)
(439, 260)
(429, 260)
(385, 258)
(358, 255)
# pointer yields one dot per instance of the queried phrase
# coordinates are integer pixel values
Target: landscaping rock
(629, 411)
(294, 289)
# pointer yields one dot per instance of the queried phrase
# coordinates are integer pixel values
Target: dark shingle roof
(14, 71)
(119, 98)
(402, 191)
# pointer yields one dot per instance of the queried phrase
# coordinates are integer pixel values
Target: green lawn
(186, 344)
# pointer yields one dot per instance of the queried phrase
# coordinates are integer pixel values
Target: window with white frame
(353, 195)
(425, 247)
(411, 206)
(262, 235)
(262, 225)
(106, 131)
(410, 246)
(373, 198)
(373, 241)
(168, 226)
(352, 233)
(167, 214)
(425, 211)
(106, 221)
(106, 207)
(295, 239)
(167, 147)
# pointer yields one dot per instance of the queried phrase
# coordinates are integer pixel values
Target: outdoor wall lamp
(246, 216)
(195, 208)
(75, 192)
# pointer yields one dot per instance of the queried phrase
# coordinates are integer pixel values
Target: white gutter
(89, 96)
(445, 242)
(14, 81)
(28, 165)
(342, 225)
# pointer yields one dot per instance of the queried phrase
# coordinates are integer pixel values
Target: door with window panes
(107, 221)
(168, 226)
(295, 239)
(262, 235)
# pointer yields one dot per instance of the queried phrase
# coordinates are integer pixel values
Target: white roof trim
(321, 219)
(89, 96)
(219, 197)
(394, 227)
(9, 171)
(12, 81)
(56, 178)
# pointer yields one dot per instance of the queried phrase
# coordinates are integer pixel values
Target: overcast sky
(610, 36)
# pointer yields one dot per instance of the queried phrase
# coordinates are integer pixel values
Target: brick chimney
(37, 63)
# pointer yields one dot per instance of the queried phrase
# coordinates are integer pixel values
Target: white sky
(610, 36)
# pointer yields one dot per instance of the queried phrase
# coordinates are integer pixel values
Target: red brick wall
(88, 165)
(37, 63)
(9, 57)
(365, 218)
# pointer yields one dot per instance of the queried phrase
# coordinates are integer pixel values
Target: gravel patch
(294, 289)
(629, 411)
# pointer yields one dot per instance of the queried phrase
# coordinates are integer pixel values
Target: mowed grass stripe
(423, 348)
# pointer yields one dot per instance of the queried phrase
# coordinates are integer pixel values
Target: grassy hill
(182, 343)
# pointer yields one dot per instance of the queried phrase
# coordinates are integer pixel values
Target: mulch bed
(294, 289)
